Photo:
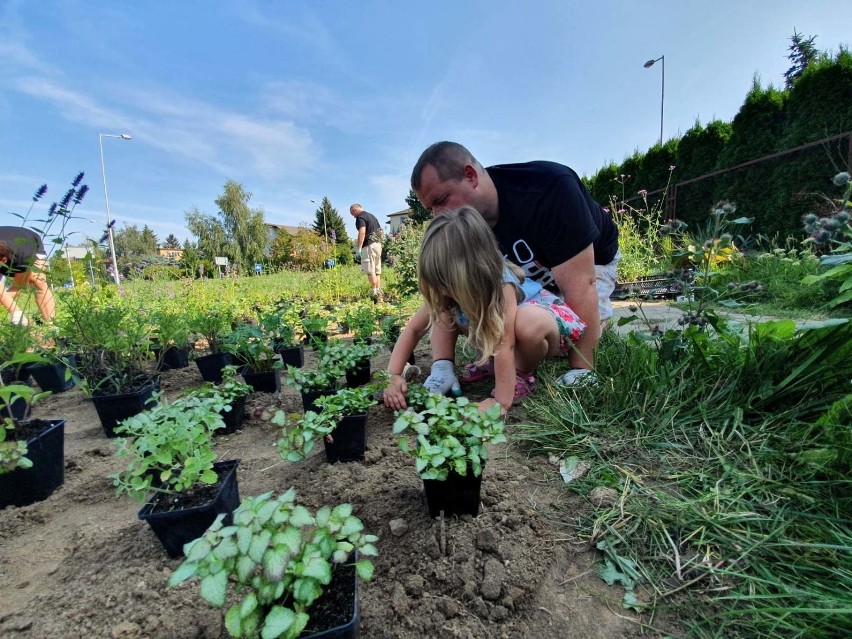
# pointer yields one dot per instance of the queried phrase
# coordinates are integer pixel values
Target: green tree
(802, 51)
(419, 213)
(245, 227)
(281, 251)
(308, 253)
(131, 242)
(190, 260)
(330, 222)
(211, 235)
(171, 242)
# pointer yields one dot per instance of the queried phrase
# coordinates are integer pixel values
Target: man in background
(369, 247)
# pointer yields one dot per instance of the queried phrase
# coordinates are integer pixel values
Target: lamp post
(648, 65)
(101, 137)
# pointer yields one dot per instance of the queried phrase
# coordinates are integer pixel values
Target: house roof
(292, 230)
(399, 213)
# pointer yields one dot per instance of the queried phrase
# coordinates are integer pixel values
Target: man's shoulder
(535, 170)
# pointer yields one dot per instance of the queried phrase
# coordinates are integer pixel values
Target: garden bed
(81, 565)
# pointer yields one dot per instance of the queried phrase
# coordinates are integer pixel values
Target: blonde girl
(468, 287)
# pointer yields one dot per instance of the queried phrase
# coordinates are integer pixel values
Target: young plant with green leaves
(169, 447)
(279, 326)
(363, 320)
(301, 433)
(448, 434)
(111, 338)
(229, 390)
(13, 451)
(345, 356)
(280, 557)
(249, 344)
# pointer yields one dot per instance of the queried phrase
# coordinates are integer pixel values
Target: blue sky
(298, 100)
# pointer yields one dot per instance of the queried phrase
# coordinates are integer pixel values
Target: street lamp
(101, 137)
(648, 65)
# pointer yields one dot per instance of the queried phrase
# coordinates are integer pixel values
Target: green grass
(736, 503)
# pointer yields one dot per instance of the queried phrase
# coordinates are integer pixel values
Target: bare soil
(82, 565)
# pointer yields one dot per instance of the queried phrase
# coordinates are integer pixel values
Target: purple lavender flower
(78, 179)
(66, 199)
(81, 193)
(40, 191)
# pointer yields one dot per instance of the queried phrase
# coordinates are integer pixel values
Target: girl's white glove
(442, 380)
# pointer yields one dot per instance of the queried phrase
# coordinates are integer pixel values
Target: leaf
(365, 569)
(630, 601)
(274, 563)
(611, 575)
(277, 622)
(301, 516)
(186, 570)
(248, 605)
(319, 569)
(233, 621)
(214, 588)
(199, 549)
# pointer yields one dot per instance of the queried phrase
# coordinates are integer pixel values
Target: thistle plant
(835, 232)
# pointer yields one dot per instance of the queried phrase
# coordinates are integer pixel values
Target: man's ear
(470, 174)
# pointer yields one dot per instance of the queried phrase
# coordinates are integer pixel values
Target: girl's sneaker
(524, 386)
(475, 373)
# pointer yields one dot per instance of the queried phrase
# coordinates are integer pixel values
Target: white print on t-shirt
(525, 258)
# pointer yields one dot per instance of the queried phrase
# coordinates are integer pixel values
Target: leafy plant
(344, 356)
(301, 434)
(280, 556)
(449, 434)
(248, 343)
(171, 328)
(13, 451)
(112, 341)
(316, 329)
(280, 327)
(169, 447)
(230, 389)
(307, 380)
(212, 324)
(362, 320)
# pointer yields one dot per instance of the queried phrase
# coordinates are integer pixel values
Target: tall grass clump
(730, 457)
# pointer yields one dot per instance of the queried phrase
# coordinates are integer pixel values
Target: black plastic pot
(210, 366)
(349, 440)
(18, 410)
(51, 377)
(456, 495)
(309, 397)
(46, 450)
(234, 417)
(113, 409)
(292, 355)
(175, 528)
(174, 357)
(359, 375)
(263, 381)
(336, 614)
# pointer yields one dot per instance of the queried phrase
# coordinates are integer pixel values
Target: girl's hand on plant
(485, 404)
(395, 393)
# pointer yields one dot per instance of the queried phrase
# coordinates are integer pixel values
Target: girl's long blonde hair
(460, 265)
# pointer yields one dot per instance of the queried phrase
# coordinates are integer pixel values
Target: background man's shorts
(371, 259)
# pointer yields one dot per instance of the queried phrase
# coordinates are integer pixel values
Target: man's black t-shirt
(373, 227)
(546, 217)
(24, 244)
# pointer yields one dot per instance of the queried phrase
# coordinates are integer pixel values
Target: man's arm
(577, 283)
